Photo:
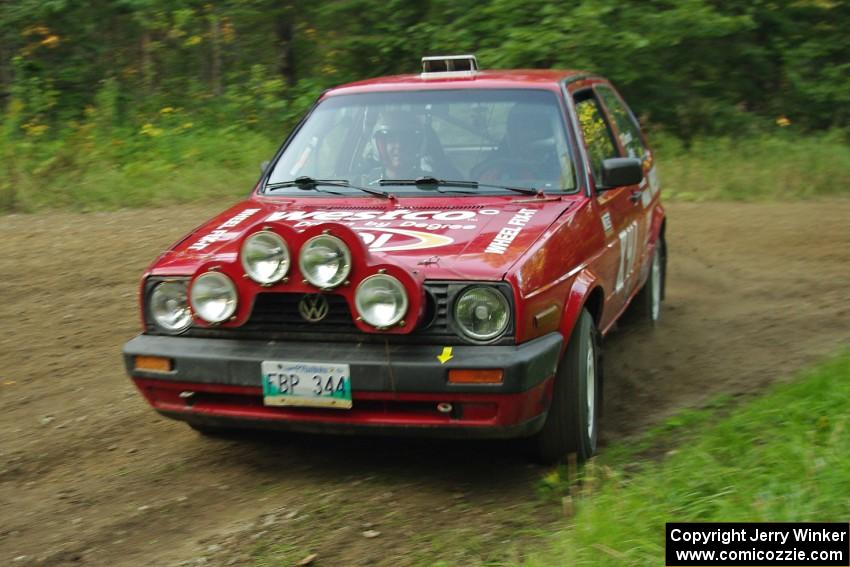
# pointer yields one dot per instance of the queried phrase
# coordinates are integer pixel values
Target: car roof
(549, 79)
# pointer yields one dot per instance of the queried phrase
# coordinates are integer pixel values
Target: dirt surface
(89, 475)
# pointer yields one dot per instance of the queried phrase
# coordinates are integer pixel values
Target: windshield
(500, 137)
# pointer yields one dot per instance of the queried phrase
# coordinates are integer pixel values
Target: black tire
(647, 303)
(572, 422)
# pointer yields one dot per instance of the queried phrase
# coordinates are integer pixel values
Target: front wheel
(572, 422)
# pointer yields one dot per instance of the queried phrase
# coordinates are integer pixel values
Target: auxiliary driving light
(213, 297)
(381, 300)
(325, 261)
(265, 257)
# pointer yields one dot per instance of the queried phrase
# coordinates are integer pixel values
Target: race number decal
(628, 253)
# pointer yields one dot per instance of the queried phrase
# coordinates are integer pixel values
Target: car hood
(477, 237)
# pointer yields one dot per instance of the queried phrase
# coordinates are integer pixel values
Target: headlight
(482, 313)
(169, 307)
(325, 261)
(213, 297)
(381, 300)
(265, 257)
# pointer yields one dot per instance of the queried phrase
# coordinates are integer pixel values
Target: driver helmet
(398, 140)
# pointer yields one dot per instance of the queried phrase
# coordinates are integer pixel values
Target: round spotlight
(265, 257)
(325, 261)
(381, 300)
(213, 297)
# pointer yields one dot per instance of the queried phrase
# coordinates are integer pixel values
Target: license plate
(287, 383)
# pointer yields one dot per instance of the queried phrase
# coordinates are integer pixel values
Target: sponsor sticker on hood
(394, 231)
(447, 240)
(221, 233)
(507, 235)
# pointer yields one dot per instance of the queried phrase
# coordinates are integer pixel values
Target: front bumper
(395, 388)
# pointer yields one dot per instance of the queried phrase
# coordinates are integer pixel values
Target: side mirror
(617, 172)
(264, 166)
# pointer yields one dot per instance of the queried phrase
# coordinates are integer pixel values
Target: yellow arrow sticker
(446, 355)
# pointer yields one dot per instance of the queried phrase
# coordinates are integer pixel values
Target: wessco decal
(507, 235)
(308, 218)
(392, 231)
(220, 233)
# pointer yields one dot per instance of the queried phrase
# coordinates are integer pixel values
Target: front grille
(275, 316)
(279, 312)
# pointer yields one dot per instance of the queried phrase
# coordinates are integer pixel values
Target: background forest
(111, 103)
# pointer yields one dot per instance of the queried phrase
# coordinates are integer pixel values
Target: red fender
(584, 286)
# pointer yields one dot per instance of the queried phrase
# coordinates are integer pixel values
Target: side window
(597, 135)
(626, 126)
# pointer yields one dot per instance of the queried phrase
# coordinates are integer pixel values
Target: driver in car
(399, 141)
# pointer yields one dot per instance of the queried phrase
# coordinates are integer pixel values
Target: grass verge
(779, 167)
(84, 171)
(131, 170)
(781, 457)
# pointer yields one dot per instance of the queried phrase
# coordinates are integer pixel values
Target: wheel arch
(586, 292)
(595, 303)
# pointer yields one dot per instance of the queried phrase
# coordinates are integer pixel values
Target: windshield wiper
(429, 181)
(308, 183)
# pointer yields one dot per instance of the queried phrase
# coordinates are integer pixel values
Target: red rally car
(437, 253)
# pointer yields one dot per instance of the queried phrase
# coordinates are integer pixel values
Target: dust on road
(89, 475)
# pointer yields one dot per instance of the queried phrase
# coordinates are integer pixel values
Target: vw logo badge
(313, 307)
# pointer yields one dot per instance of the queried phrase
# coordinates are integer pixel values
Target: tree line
(689, 67)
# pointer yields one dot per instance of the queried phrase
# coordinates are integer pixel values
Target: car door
(632, 144)
(618, 208)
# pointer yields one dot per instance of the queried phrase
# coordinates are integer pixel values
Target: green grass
(780, 167)
(90, 167)
(131, 169)
(780, 457)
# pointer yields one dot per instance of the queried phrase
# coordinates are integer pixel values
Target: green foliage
(780, 458)
(97, 91)
(695, 67)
